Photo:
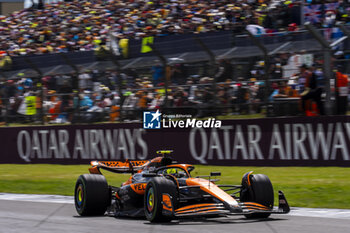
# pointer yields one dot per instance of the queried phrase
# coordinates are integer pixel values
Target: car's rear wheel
(91, 195)
(258, 189)
(153, 206)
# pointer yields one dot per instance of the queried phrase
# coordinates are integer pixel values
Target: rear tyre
(153, 198)
(260, 191)
(91, 195)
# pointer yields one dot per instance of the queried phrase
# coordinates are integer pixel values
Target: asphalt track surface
(36, 217)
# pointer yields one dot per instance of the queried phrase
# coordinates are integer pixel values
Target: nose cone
(213, 190)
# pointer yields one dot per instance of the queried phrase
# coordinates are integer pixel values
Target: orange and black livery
(161, 189)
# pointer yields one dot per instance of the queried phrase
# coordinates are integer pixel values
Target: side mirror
(215, 173)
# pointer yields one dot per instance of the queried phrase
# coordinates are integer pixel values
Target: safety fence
(201, 100)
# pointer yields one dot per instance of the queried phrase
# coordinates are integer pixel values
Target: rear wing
(128, 166)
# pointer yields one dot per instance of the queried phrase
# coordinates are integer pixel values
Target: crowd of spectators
(102, 101)
(94, 95)
(84, 25)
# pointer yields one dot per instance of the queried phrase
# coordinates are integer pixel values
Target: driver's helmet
(178, 173)
(171, 171)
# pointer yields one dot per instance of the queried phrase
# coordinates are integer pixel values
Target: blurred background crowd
(84, 25)
(113, 95)
(100, 98)
(96, 95)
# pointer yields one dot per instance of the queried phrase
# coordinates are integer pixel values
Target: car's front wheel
(257, 188)
(153, 205)
(91, 195)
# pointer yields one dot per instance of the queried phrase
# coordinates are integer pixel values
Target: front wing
(207, 209)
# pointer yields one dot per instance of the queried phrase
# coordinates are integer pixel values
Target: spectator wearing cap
(311, 90)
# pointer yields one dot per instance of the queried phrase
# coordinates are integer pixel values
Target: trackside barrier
(298, 141)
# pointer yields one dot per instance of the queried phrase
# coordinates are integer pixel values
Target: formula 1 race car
(161, 190)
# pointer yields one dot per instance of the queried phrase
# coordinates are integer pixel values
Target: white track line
(321, 213)
(37, 198)
(295, 211)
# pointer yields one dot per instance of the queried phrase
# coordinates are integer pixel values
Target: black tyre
(259, 191)
(153, 198)
(91, 195)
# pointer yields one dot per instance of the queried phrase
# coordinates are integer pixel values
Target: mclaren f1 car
(161, 189)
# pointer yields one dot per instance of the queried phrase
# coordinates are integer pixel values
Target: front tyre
(153, 198)
(257, 188)
(91, 195)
